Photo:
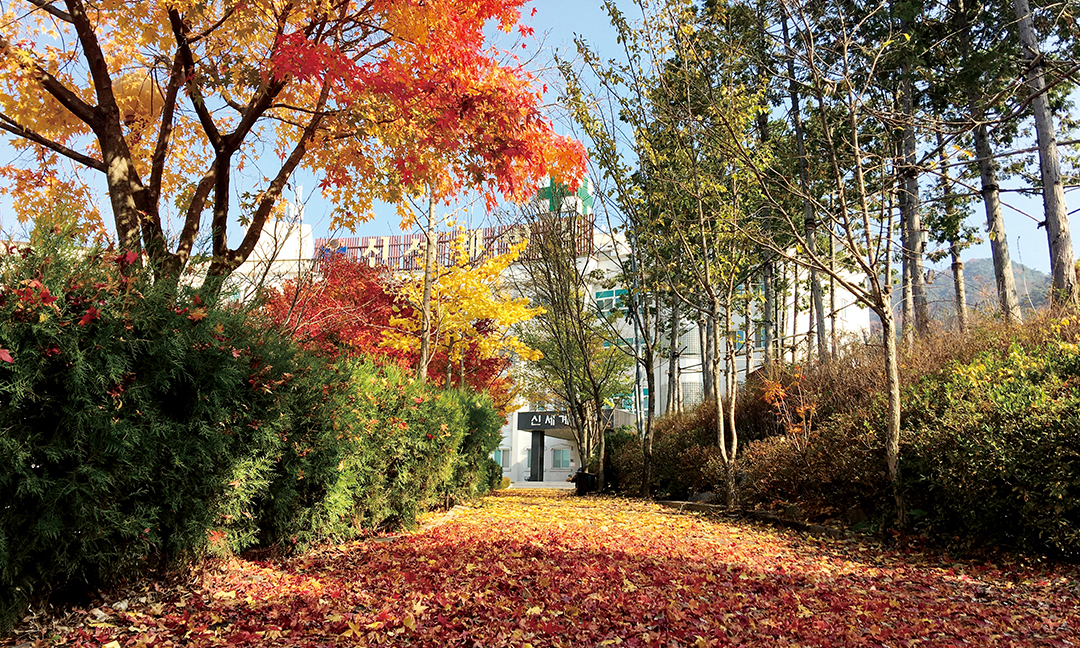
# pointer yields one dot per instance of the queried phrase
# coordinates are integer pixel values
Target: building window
(502, 457)
(560, 459)
(692, 392)
(690, 342)
(608, 301)
(528, 458)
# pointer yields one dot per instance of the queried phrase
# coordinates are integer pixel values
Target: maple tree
(344, 311)
(215, 105)
(530, 568)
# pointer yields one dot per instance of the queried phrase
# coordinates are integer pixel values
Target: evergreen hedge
(141, 429)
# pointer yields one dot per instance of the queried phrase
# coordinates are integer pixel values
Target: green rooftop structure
(558, 196)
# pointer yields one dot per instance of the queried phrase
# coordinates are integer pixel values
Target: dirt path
(530, 568)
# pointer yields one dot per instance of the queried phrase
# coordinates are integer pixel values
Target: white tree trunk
(1057, 216)
(995, 223)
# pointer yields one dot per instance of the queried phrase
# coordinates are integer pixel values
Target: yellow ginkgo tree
(470, 316)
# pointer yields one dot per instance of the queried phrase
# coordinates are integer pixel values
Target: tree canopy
(193, 108)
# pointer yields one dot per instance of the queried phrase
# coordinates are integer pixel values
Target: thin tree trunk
(748, 334)
(832, 295)
(795, 314)
(892, 433)
(995, 223)
(1056, 214)
(731, 387)
(959, 290)
(703, 341)
(914, 249)
(430, 246)
(767, 319)
(647, 440)
(601, 445)
(809, 215)
(673, 403)
(907, 323)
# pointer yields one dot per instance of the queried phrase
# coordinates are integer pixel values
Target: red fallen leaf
(197, 314)
(5, 355)
(46, 297)
(91, 315)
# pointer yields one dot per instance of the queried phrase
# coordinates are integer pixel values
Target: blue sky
(556, 22)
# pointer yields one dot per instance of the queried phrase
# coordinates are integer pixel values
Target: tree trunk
(892, 429)
(430, 247)
(995, 223)
(673, 403)
(712, 351)
(809, 215)
(959, 289)
(731, 386)
(647, 439)
(767, 320)
(907, 322)
(795, 314)
(832, 296)
(601, 444)
(953, 224)
(1057, 216)
(914, 249)
(748, 335)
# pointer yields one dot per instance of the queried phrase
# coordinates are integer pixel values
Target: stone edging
(760, 516)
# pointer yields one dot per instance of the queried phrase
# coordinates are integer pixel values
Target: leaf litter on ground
(532, 568)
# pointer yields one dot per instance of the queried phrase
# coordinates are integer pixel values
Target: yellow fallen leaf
(534, 610)
(409, 622)
(112, 644)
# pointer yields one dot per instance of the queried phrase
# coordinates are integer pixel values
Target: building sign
(548, 420)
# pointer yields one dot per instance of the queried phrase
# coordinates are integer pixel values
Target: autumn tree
(578, 366)
(682, 69)
(470, 314)
(202, 111)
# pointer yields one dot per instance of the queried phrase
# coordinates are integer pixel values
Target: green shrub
(396, 447)
(683, 445)
(623, 463)
(132, 418)
(141, 429)
(992, 450)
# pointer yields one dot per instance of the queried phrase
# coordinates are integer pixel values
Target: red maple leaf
(90, 316)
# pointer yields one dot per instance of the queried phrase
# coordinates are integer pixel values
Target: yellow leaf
(535, 610)
(409, 622)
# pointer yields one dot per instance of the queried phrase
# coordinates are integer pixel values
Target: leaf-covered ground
(531, 568)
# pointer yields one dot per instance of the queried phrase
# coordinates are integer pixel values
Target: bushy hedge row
(990, 441)
(989, 455)
(140, 428)
(684, 445)
(992, 450)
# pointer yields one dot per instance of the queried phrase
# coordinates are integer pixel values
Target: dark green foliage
(623, 464)
(990, 444)
(141, 429)
(126, 413)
